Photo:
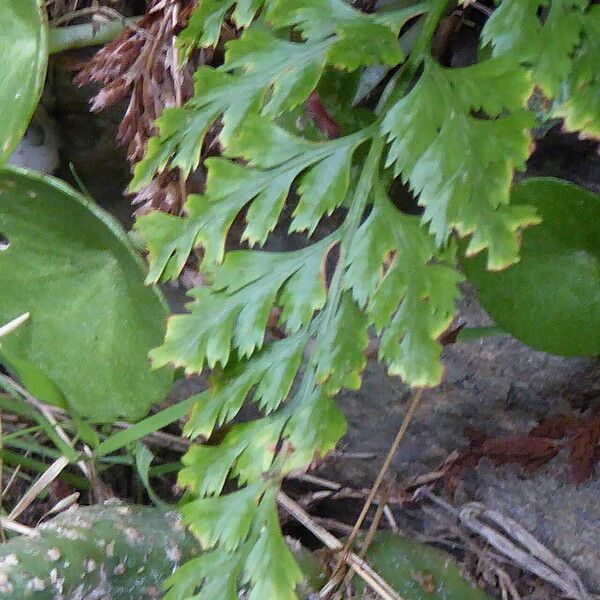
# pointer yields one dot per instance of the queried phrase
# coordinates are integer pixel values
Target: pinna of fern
(456, 136)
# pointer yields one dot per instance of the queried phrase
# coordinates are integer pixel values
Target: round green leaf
(93, 321)
(550, 300)
(417, 571)
(24, 48)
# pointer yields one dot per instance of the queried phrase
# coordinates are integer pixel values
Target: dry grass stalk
(11, 525)
(12, 325)
(355, 562)
(51, 473)
(48, 413)
(511, 541)
(414, 404)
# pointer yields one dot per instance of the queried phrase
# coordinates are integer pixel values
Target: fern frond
(456, 136)
(266, 74)
(472, 133)
(561, 48)
(279, 159)
(204, 28)
(579, 98)
(546, 45)
(411, 299)
(233, 312)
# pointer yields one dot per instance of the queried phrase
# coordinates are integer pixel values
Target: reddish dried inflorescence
(142, 67)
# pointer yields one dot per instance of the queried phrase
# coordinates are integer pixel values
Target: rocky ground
(500, 387)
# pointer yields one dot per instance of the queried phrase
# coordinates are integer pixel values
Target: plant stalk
(61, 39)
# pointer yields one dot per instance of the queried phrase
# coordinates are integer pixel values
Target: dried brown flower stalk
(141, 66)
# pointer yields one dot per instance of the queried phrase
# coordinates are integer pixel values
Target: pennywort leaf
(25, 39)
(65, 251)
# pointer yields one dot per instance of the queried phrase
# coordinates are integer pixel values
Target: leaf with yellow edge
(456, 138)
(392, 272)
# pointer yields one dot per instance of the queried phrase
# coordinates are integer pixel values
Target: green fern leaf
(224, 520)
(579, 98)
(264, 183)
(269, 375)
(246, 452)
(187, 578)
(340, 354)
(266, 74)
(182, 132)
(516, 28)
(234, 311)
(244, 525)
(262, 438)
(322, 190)
(206, 467)
(255, 64)
(460, 164)
(456, 135)
(411, 298)
(270, 568)
(561, 49)
(169, 242)
(204, 27)
(353, 30)
(314, 428)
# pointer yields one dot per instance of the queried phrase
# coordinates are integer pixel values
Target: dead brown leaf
(556, 427)
(527, 450)
(534, 449)
(585, 451)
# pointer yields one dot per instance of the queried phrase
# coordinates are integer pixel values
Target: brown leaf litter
(579, 435)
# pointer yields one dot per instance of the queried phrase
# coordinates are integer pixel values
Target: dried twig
(57, 8)
(370, 533)
(530, 554)
(62, 505)
(12, 325)
(13, 477)
(357, 564)
(382, 472)
(7, 523)
(352, 455)
(435, 475)
(515, 543)
(487, 559)
(333, 524)
(320, 481)
(51, 473)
